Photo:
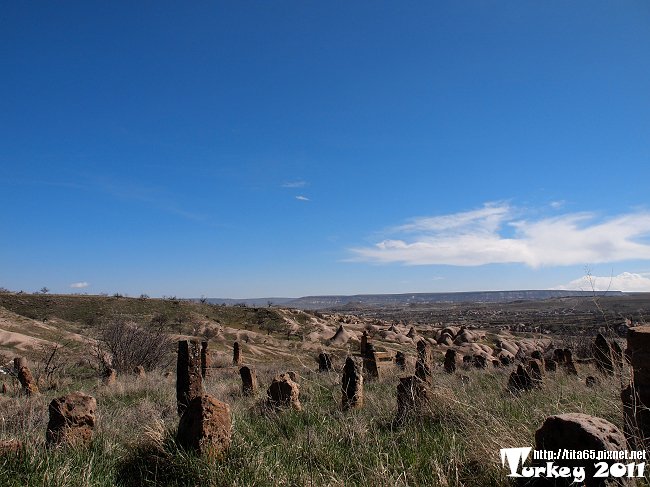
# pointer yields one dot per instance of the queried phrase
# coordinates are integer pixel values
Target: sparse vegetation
(125, 345)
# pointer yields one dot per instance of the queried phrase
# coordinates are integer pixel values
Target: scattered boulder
(284, 393)
(576, 431)
(189, 382)
(4, 388)
(352, 385)
(72, 420)
(248, 381)
(341, 337)
(603, 355)
(205, 427)
(464, 336)
(412, 334)
(591, 381)
(324, 362)
(140, 372)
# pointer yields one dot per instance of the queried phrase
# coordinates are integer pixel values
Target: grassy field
(456, 442)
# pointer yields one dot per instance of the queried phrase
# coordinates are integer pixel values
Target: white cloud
(294, 184)
(556, 205)
(626, 281)
(79, 285)
(477, 237)
(302, 198)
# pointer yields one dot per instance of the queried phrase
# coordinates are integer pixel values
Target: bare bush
(127, 345)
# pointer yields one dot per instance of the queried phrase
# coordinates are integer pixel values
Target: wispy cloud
(478, 237)
(79, 285)
(626, 281)
(294, 184)
(556, 205)
(302, 198)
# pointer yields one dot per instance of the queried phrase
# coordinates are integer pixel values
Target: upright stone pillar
(236, 354)
(636, 396)
(248, 381)
(205, 359)
(352, 385)
(189, 383)
(425, 361)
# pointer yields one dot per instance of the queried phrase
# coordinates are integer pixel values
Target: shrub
(129, 345)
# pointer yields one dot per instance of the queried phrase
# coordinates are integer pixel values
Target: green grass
(456, 442)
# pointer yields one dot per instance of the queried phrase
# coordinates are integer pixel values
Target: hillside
(404, 299)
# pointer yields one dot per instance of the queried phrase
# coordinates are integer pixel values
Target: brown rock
(638, 354)
(110, 376)
(4, 388)
(205, 359)
(27, 381)
(376, 363)
(324, 362)
(603, 355)
(19, 363)
(205, 427)
(569, 365)
(72, 419)
(450, 360)
(248, 381)
(591, 381)
(550, 365)
(413, 397)
(189, 383)
(520, 380)
(294, 376)
(576, 431)
(352, 385)
(636, 397)
(424, 364)
(363, 346)
(284, 393)
(536, 371)
(506, 358)
(236, 354)
(479, 361)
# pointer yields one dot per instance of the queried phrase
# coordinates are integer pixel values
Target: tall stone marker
(189, 383)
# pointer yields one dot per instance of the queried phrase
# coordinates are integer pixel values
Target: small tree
(44, 290)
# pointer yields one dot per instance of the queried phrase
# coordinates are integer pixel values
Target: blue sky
(240, 149)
